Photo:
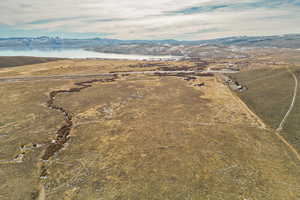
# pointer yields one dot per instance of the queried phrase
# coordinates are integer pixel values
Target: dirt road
(280, 127)
(78, 76)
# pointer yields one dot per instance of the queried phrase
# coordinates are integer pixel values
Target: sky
(151, 20)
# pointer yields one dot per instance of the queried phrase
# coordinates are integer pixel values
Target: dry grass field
(83, 66)
(135, 137)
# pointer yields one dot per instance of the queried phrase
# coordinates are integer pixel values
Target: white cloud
(136, 19)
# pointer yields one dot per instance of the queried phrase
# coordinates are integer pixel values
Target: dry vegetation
(82, 66)
(138, 137)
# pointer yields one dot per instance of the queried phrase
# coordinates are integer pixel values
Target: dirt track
(280, 127)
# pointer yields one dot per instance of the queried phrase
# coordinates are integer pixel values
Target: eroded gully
(62, 134)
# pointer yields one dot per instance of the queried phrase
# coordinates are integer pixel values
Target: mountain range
(279, 41)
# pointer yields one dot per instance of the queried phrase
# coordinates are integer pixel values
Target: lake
(80, 53)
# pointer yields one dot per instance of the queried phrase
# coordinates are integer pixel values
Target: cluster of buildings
(234, 85)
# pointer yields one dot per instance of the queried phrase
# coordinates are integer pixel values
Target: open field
(270, 93)
(135, 137)
(83, 66)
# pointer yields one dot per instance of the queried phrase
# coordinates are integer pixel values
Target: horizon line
(89, 38)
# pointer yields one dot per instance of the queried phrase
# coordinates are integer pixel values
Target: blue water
(80, 53)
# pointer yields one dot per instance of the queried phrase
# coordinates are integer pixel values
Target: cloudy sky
(148, 19)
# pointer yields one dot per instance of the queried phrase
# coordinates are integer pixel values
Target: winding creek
(62, 135)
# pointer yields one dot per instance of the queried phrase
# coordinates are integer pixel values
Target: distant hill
(7, 61)
(282, 41)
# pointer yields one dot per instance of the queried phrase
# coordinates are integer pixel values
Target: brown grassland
(137, 137)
